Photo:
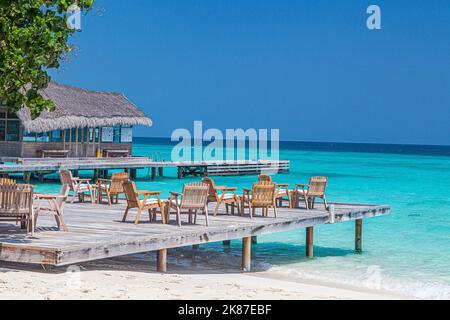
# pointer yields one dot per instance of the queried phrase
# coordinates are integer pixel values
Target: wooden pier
(100, 166)
(96, 232)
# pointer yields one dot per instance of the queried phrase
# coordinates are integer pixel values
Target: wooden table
(55, 208)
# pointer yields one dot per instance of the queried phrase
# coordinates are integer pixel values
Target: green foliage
(33, 39)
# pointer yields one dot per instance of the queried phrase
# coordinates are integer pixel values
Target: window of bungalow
(56, 136)
(116, 134)
(43, 137)
(107, 134)
(68, 135)
(85, 135)
(2, 130)
(94, 134)
(126, 135)
(13, 130)
(29, 136)
(9, 126)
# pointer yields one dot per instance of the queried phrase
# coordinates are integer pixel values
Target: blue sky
(310, 68)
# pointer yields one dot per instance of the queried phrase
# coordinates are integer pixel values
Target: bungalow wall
(32, 149)
(82, 142)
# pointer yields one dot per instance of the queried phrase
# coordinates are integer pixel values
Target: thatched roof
(83, 108)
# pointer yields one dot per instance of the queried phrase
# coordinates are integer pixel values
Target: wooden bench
(109, 153)
(54, 153)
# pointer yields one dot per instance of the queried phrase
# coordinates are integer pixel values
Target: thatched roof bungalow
(83, 122)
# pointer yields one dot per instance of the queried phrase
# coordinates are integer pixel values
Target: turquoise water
(407, 252)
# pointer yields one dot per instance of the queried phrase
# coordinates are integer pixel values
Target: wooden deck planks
(96, 232)
(213, 167)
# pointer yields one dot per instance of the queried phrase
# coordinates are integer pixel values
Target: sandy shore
(134, 277)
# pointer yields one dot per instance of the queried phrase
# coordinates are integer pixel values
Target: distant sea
(407, 252)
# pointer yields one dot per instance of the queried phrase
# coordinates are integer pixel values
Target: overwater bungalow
(83, 123)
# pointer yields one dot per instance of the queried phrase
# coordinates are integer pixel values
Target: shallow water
(407, 252)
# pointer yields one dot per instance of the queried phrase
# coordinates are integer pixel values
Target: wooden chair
(315, 189)
(193, 198)
(7, 181)
(222, 194)
(112, 187)
(16, 202)
(262, 196)
(282, 190)
(148, 203)
(55, 206)
(77, 185)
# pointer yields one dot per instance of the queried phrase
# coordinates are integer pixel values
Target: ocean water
(407, 252)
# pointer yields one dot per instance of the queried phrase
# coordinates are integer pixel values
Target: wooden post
(246, 253)
(227, 243)
(27, 177)
(180, 173)
(195, 246)
(358, 235)
(105, 174)
(153, 173)
(310, 242)
(133, 173)
(75, 173)
(160, 171)
(161, 263)
(254, 240)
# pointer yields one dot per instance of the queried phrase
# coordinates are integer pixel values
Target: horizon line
(340, 142)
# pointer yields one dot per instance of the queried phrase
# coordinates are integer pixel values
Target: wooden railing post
(161, 260)
(358, 235)
(246, 253)
(310, 242)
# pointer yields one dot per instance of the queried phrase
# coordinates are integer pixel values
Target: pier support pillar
(358, 235)
(310, 242)
(227, 243)
(153, 177)
(195, 246)
(246, 253)
(161, 260)
(254, 240)
(180, 173)
(27, 177)
(133, 173)
(160, 171)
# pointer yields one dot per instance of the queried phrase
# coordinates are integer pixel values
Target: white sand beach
(134, 277)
